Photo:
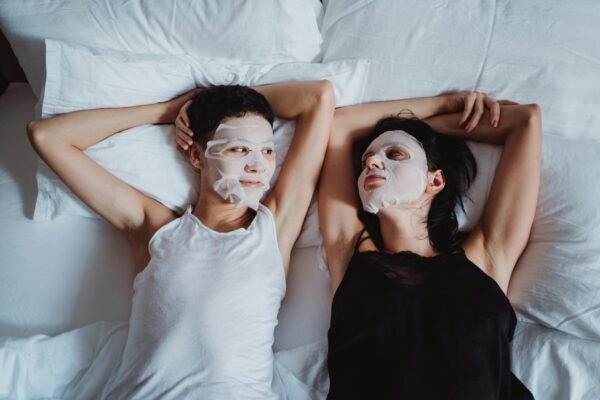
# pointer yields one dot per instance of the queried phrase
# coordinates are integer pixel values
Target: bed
(65, 275)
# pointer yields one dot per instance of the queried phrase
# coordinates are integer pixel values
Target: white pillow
(557, 279)
(146, 157)
(535, 51)
(265, 31)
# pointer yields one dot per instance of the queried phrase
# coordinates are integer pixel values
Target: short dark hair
(212, 105)
(444, 152)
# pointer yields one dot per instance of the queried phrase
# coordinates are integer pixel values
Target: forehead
(251, 128)
(394, 139)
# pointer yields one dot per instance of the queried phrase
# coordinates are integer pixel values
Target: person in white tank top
(210, 282)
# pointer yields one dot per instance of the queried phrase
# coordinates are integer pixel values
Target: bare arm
(501, 235)
(60, 142)
(338, 198)
(312, 105)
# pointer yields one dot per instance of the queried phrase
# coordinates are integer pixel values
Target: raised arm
(312, 105)
(60, 142)
(497, 241)
(338, 198)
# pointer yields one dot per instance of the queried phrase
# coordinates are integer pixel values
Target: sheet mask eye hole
(236, 151)
(396, 154)
(269, 153)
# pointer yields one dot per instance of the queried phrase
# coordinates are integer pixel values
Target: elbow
(526, 117)
(534, 114)
(33, 132)
(533, 123)
(37, 137)
(531, 116)
(325, 93)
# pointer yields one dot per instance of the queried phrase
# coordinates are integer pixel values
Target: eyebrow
(237, 139)
(397, 144)
(390, 144)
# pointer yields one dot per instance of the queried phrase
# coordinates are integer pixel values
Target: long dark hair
(444, 152)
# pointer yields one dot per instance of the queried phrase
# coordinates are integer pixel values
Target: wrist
(447, 105)
(165, 113)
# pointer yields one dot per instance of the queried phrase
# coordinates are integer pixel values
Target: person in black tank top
(406, 326)
(420, 310)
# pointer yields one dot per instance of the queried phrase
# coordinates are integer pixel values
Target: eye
(396, 154)
(236, 151)
(268, 151)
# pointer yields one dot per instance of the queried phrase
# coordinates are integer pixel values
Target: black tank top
(410, 327)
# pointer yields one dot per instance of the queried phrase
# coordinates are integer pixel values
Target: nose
(255, 168)
(255, 165)
(373, 162)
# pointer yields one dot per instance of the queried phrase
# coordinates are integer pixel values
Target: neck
(404, 228)
(219, 214)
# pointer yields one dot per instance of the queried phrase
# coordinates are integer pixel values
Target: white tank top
(203, 315)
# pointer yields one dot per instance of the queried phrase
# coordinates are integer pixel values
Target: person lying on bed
(420, 309)
(210, 282)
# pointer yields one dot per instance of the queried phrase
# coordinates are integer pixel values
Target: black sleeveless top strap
(361, 239)
(410, 327)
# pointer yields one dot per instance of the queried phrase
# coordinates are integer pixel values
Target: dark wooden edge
(10, 70)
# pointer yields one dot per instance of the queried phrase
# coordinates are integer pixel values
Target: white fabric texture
(204, 313)
(554, 364)
(536, 51)
(77, 365)
(146, 157)
(265, 31)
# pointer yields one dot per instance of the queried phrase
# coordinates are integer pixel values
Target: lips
(374, 179)
(253, 184)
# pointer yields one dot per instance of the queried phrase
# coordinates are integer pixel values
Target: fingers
(183, 113)
(494, 107)
(181, 143)
(469, 105)
(183, 133)
(478, 110)
(183, 138)
(182, 123)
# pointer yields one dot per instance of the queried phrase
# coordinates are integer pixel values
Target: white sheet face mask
(394, 169)
(241, 160)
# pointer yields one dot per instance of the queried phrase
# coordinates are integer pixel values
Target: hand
(473, 105)
(172, 107)
(183, 134)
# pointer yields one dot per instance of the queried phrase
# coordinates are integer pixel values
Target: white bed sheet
(556, 365)
(54, 276)
(66, 285)
(71, 272)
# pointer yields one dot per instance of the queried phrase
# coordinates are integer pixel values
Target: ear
(196, 155)
(435, 182)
